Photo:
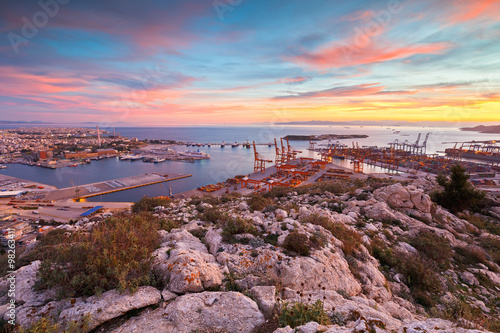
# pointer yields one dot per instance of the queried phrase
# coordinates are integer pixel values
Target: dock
(110, 186)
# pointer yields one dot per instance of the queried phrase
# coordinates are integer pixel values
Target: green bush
(419, 273)
(116, 254)
(434, 247)
(297, 242)
(458, 194)
(237, 226)
(213, 215)
(147, 204)
(300, 314)
(259, 202)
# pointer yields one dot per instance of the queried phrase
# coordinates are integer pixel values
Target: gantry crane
(279, 154)
(260, 161)
(293, 153)
(285, 156)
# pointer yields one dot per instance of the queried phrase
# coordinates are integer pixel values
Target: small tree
(458, 194)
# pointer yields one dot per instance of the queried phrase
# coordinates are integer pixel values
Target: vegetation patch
(115, 255)
(147, 204)
(297, 242)
(433, 246)
(237, 226)
(300, 314)
(458, 194)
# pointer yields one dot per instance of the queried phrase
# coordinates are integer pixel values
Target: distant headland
(325, 137)
(483, 129)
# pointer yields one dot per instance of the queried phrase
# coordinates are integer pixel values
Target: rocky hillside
(363, 256)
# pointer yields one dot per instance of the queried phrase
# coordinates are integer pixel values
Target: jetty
(110, 186)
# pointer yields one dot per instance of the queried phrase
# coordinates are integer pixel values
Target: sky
(183, 62)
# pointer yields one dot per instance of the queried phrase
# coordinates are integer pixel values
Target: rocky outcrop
(218, 311)
(186, 263)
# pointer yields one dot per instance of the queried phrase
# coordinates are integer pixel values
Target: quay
(110, 186)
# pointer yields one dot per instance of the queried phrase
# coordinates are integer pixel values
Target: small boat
(87, 161)
(208, 144)
(234, 145)
(3, 167)
(247, 144)
(73, 165)
(223, 144)
(136, 158)
(158, 160)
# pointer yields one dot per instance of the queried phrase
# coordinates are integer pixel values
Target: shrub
(420, 274)
(299, 314)
(458, 194)
(237, 226)
(271, 239)
(259, 202)
(297, 242)
(492, 246)
(351, 239)
(213, 215)
(434, 247)
(147, 204)
(115, 255)
(484, 224)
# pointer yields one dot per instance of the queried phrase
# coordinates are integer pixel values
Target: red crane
(260, 162)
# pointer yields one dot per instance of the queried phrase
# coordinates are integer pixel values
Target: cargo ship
(484, 151)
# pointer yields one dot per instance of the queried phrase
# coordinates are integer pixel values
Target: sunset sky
(248, 61)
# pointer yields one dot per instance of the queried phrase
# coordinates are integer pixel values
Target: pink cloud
(353, 54)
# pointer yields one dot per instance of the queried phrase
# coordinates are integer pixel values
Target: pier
(110, 186)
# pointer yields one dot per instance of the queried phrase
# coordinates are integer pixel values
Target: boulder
(218, 311)
(321, 269)
(265, 297)
(109, 305)
(186, 263)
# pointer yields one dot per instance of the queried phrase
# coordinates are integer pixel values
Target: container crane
(279, 155)
(260, 161)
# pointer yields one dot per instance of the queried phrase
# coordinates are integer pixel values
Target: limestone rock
(229, 311)
(265, 297)
(110, 305)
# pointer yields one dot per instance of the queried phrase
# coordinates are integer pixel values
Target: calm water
(225, 162)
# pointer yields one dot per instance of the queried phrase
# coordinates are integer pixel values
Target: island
(493, 129)
(325, 137)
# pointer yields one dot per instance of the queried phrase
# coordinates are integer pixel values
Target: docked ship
(195, 154)
(234, 145)
(478, 150)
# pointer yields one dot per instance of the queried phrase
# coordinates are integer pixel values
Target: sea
(226, 162)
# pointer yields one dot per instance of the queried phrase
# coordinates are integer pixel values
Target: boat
(136, 158)
(208, 144)
(197, 154)
(87, 161)
(247, 145)
(126, 157)
(73, 165)
(223, 144)
(3, 167)
(234, 145)
(158, 160)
